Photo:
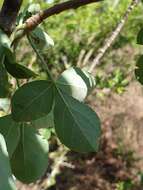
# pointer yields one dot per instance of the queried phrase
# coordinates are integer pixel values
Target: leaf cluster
(41, 104)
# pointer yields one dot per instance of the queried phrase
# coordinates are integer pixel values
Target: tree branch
(109, 41)
(8, 14)
(35, 20)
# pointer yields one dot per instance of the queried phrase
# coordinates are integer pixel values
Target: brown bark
(8, 14)
(33, 21)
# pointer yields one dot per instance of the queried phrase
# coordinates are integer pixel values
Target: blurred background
(117, 97)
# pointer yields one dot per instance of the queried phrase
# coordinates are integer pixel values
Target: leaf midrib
(73, 117)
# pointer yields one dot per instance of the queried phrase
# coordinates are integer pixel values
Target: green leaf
(30, 160)
(76, 82)
(32, 101)
(41, 39)
(11, 132)
(4, 85)
(6, 180)
(44, 122)
(77, 125)
(9, 60)
(140, 37)
(1, 54)
(17, 70)
(139, 70)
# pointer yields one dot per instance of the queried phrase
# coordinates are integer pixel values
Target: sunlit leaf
(76, 82)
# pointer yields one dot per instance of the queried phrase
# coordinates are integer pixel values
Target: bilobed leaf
(140, 37)
(30, 160)
(6, 180)
(77, 125)
(76, 82)
(32, 101)
(139, 70)
(11, 132)
(41, 39)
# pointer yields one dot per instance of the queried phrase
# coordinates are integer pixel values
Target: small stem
(43, 65)
(32, 22)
